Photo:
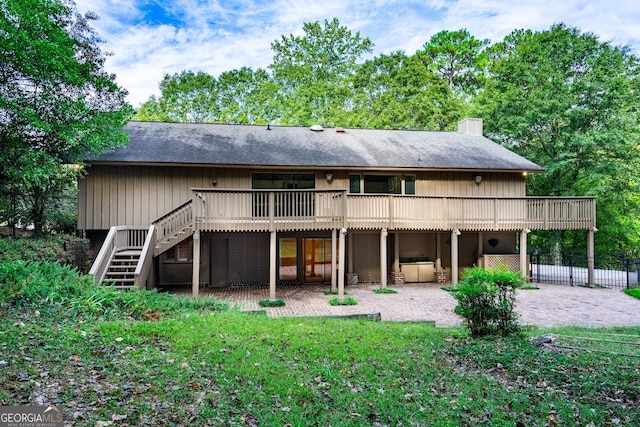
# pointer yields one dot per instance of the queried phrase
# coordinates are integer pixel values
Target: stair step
(124, 263)
(129, 253)
(118, 274)
(131, 266)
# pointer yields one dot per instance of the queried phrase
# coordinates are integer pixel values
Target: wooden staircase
(126, 256)
(122, 268)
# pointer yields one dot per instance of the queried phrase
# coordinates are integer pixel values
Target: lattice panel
(366, 257)
(512, 262)
(249, 258)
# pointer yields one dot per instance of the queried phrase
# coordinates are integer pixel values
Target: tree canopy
(57, 103)
(567, 101)
(559, 97)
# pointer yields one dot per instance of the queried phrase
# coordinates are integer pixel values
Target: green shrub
(39, 282)
(384, 291)
(346, 301)
(53, 286)
(485, 300)
(269, 303)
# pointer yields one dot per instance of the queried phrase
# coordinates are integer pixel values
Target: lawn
(231, 368)
(148, 359)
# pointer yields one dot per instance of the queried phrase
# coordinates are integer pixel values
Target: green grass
(384, 291)
(94, 354)
(269, 303)
(349, 300)
(225, 368)
(634, 292)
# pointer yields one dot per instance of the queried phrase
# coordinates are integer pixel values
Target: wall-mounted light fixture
(477, 179)
(329, 177)
(214, 182)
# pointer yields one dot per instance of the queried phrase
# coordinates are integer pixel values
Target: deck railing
(119, 238)
(145, 263)
(297, 210)
(265, 210)
(469, 213)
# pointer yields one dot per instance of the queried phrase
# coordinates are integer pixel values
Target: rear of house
(224, 205)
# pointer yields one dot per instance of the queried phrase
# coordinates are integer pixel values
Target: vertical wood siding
(138, 195)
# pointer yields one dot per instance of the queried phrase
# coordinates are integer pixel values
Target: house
(220, 205)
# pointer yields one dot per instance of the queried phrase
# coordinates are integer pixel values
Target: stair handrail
(163, 224)
(101, 264)
(146, 259)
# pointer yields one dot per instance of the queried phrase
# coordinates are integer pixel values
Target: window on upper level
(382, 184)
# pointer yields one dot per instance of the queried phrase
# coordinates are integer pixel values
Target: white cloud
(216, 36)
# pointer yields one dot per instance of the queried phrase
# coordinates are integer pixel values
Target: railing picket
(262, 210)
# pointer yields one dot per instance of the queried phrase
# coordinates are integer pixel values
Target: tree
(246, 96)
(57, 103)
(458, 57)
(398, 92)
(311, 72)
(568, 101)
(189, 97)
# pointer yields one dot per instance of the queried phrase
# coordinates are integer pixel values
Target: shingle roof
(250, 145)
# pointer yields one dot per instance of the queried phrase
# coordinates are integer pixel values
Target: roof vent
(316, 128)
(340, 130)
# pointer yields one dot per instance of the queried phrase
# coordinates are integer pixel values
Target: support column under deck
(273, 261)
(334, 261)
(396, 252)
(523, 253)
(591, 256)
(383, 257)
(454, 256)
(195, 279)
(341, 271)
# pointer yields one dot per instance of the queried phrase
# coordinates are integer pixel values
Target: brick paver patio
(551, 305)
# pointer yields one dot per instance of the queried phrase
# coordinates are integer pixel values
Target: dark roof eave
(307, 167)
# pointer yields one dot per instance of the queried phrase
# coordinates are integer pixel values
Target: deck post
(341, 271)
(438, 251)
(383, 257)
(591, 262)
(454, 256)
(350, 257)
(195, 283)
(334, 260)
(523, 253)
(273, 260)
(396, 251)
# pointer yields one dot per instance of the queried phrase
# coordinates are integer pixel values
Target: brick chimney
(470, 127)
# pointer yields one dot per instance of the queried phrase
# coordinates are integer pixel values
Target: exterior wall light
(478, 179)
(329, 177)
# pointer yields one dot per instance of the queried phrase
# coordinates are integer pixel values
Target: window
(382, 184)
(182, 252)
(354, 183)
(301, 204)
(283, 181)
(409, 184)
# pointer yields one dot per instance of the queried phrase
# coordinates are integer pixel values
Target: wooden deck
(299, 210)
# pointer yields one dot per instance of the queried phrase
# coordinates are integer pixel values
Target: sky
(147, 39)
